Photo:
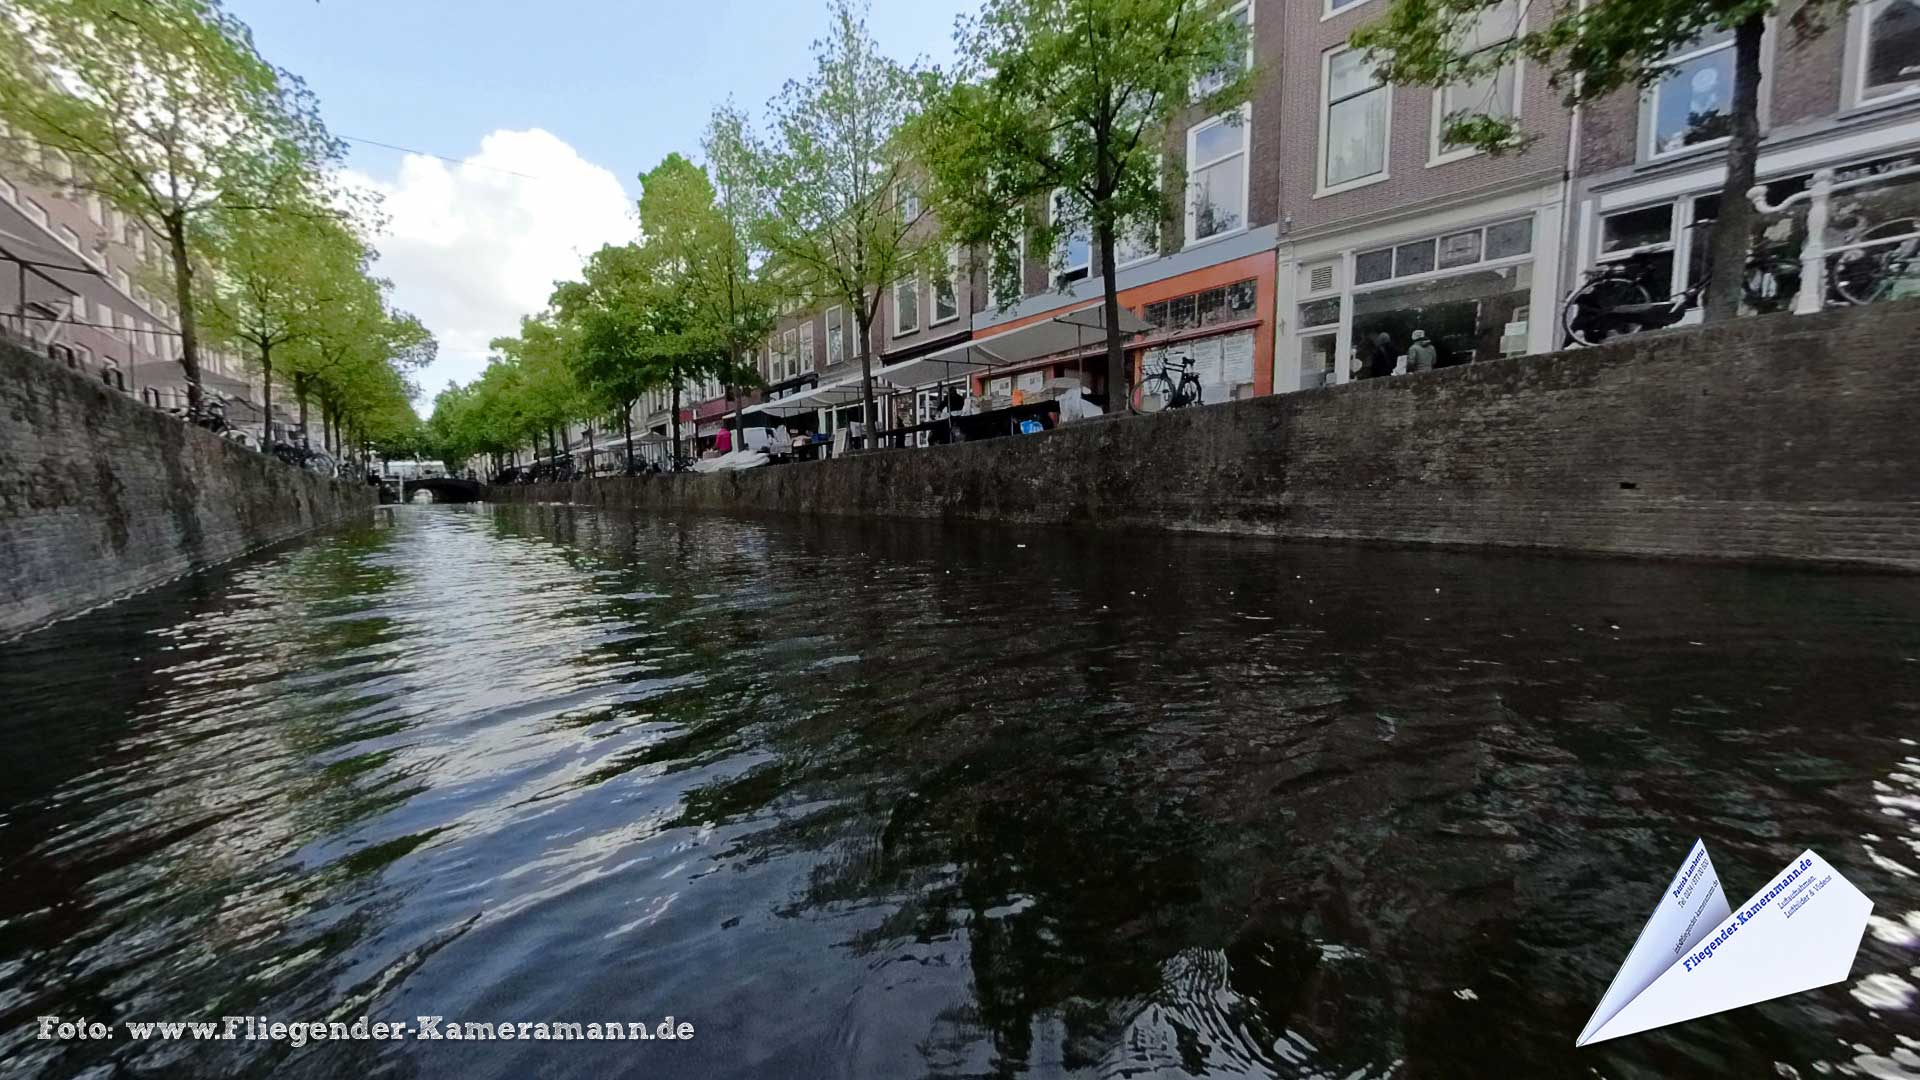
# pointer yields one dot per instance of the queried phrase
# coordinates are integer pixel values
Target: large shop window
(1223, 364)
(1217, 175)
(1353, 132)
(1494, 95)
(1692, 103)
(1476, 315)
(1888, 48)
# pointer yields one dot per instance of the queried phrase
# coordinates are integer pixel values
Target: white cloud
(472, 247)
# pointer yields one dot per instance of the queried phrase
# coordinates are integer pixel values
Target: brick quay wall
(102, 496)
(1792, 439)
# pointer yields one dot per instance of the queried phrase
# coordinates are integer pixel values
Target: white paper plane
(1696, 957)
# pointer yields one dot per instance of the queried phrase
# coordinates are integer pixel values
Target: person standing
(1421, 355)
(1381, 363)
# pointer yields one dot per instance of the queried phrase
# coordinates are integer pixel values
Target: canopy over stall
(833, 395)
(1067, 332)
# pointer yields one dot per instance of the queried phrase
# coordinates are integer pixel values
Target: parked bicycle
(1618, 298)
(1160, 390)
(1887, 264)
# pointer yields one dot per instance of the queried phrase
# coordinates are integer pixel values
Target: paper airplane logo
(1696, 956)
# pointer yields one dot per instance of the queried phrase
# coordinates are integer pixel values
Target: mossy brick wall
(101, 496)
(1786, 438)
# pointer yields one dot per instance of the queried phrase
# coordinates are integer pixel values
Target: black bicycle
(1160, 390)
(1618, 298)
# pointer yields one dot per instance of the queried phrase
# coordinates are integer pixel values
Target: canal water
(887, 800)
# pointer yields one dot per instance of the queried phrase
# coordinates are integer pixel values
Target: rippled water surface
(898, 801)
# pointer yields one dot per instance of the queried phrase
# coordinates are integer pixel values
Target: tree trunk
(626, 421)
(739, 416)
(266, 398)
(183, 299)
(1733, 226)
(871, 437)
(300, 395)
(1117, 396)
(591, 452)
(675, 423)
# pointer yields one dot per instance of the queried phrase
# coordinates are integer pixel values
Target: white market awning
(1067, 332)
(845, 392)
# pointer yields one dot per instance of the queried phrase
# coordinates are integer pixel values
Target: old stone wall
(101, 496)
(1785, 438)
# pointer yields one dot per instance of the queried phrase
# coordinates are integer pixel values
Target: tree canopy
(164, 110)
(1064, 107)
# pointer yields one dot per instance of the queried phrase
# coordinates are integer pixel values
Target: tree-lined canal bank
(865, 798)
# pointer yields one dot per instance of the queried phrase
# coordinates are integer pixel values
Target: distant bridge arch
(448, 489)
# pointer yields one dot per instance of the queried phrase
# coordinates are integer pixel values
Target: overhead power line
(442, 157)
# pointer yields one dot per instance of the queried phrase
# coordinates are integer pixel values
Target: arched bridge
(447, 489)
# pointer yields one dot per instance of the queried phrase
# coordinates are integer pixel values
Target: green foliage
(164, 109)
(831, 223)
(1587, 51)
(1057, 119)
(1075, 97)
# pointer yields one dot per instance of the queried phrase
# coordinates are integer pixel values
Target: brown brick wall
(101, 496)
(1303, 41)
(1785, 438)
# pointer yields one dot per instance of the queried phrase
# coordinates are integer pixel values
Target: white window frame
(69, 238)
(807, 359)
(1854, 95)
(1199, 88)
(95, 211)
(9, 193)
(34, 211)
(1646, 151)
(907, 198)
(1329, 11)
(790, 353)
(1245, 115)
(836, 335)
(123, 281)
(900, 329)
(1321, 187)
(953, 290)
(1435, 155)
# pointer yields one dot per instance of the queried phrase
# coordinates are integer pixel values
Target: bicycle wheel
(1588, 317)
(1867, 274)
(1156, 393)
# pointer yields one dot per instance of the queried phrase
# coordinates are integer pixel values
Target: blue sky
(614, 87)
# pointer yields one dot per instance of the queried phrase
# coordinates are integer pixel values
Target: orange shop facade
(1216, 320)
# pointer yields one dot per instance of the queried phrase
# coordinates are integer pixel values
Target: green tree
(694, 237)
(833, 226)
(163, 109)
(550, 396)
(280, 276)
(1068, 103)
(735, 296)
(1589, 52)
